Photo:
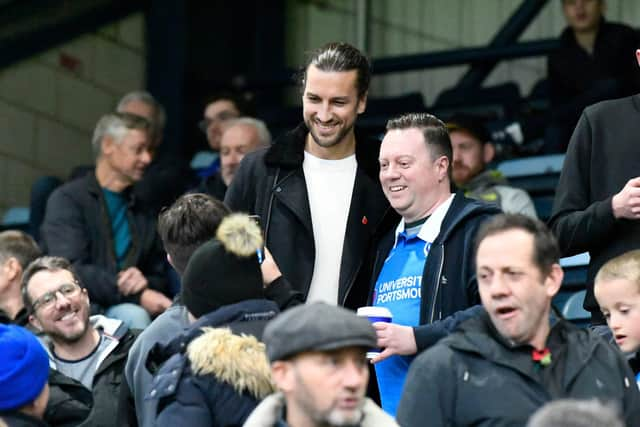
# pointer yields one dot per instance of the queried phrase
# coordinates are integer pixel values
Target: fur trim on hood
(238, 360)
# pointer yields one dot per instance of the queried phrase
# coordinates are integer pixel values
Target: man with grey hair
(143, 104)
(108, 236)
(242, 136)
(167, 176)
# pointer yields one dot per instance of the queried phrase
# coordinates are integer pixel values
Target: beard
(330, 417)
(60, 336)
(330, 141)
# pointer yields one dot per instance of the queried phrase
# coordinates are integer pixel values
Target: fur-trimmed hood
(271, 410)
(238, 360)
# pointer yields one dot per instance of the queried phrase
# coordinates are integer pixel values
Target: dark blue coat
(213, 375)
(449, 277)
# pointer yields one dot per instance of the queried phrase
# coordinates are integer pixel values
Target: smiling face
(65, 320)
(414, 183)
(619, 301)
(325, 388)
(330, 106)
(513, 290)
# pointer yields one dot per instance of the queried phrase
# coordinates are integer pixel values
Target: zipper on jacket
(435, 294)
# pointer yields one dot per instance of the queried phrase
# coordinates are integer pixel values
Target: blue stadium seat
(573, 310)
(16, 218)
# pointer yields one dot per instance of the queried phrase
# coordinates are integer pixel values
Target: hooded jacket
(107, 380)
(449, 278)
(216, 372)
(473, 378)
(492, 187)
(270, 413)
(271, 183)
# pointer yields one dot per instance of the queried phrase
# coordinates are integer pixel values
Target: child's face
(619, 301)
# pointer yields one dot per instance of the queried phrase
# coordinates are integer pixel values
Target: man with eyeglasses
(91, 352)
(219, 111)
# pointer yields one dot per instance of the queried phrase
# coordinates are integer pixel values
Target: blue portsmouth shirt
(399, 289)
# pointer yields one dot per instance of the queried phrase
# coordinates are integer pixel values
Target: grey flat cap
(316, 327)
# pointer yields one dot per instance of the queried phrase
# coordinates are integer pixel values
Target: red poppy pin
(542, 357)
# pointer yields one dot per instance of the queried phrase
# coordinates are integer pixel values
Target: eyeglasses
(46, 301)
(223, 116)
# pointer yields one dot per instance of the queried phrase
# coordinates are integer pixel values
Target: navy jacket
(449, 277)
(214, 376)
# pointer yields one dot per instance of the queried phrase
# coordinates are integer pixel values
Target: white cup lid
(371, 311)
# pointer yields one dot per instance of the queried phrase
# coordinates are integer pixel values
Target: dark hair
(242, 102)
(340, 57)
(189, 222)
(434, 131)
(48, 263)
(19, 245)
(545, 247)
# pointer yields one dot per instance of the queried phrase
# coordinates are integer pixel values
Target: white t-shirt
(329, 186)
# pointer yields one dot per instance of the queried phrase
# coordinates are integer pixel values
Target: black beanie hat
(224, 270)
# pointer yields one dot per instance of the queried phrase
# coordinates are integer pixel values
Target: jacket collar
(114, 328)
(478, 335)
(431, 227)
(288, 151)
(245, 311)
(462, 208)
(271, 412)
(94, 188)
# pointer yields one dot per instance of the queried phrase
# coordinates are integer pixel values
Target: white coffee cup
(375, 314)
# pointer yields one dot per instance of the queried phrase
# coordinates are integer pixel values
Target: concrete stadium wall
(50, 104)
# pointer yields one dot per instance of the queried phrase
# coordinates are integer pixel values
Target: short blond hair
(625, 266)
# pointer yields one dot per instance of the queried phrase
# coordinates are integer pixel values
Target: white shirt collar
(431, 227)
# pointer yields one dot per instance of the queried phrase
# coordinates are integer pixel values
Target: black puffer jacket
(471, 378)
(217, 371)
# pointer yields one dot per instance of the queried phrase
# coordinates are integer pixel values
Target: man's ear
(638, 56)
(107, 144)
(170, 261)
(33, 320)
(488, 152)
(443, 167)
(282, 374)
(12, 269)
(554, 280)
(362, 103)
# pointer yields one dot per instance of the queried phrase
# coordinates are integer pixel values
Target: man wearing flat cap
(318, 364)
